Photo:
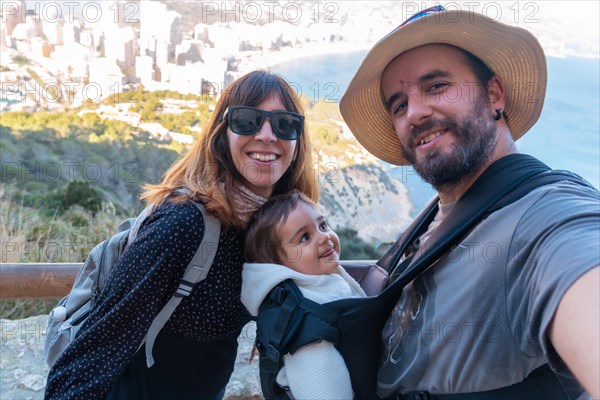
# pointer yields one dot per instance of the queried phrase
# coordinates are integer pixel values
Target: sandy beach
(268, 59)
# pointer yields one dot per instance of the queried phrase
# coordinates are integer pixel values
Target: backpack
(68, 316)
(288, 321)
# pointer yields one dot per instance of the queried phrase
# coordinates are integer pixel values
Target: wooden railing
(52, 281)
(36, 281)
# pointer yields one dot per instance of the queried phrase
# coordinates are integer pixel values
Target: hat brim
(510, 52)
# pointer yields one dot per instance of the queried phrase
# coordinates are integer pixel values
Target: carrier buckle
(421, 395)
(278, 295)
(272, 354)
(270, 361)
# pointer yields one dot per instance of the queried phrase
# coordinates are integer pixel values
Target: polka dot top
(142, 282)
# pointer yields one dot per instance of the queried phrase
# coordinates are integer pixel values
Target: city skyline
(76, 51)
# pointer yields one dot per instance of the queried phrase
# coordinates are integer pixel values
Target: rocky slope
(368, 199)
(23, 370)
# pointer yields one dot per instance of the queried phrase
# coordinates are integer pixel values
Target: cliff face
(367, 199)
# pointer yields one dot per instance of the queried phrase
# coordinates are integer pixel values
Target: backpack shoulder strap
(135, 223)
(200, 265)
(196, 271)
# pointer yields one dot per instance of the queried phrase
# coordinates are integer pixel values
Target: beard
(475, 140)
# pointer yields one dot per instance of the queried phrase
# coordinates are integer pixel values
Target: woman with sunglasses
(254, 146)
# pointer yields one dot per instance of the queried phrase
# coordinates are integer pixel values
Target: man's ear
(495, 92)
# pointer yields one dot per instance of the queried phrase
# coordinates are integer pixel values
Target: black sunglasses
(244, 120)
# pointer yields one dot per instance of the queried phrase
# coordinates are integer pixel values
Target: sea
(567, 135)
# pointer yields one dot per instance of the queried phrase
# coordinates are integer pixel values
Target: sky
(561, 25)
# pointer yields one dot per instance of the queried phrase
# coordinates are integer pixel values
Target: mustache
(432, 125)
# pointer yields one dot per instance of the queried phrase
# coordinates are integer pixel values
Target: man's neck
(452, 193)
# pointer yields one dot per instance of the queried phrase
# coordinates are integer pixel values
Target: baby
(288, 238)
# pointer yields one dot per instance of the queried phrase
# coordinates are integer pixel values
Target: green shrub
(354, 248)
(83, 194)
(30, 236)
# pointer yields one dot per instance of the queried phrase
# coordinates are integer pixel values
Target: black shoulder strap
(392, 256)
(542, 179)
(542, 383)
(281, 316)
(504, 182)
(272, 334)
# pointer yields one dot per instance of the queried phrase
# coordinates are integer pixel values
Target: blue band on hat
(423, 13)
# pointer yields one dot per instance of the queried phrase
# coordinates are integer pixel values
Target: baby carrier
(287, 321)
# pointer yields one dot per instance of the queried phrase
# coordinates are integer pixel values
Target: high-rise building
(189, 51)
(119, 45)
(160, 32)
(144, 69)
(11, 14)
(106, 78)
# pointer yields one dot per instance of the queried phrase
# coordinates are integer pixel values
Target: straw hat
(510, 52)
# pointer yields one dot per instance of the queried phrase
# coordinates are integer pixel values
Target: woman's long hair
(208, 171)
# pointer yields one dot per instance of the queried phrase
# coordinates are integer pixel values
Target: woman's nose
(265, 133)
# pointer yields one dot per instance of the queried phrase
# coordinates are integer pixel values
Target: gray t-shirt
(478, 319)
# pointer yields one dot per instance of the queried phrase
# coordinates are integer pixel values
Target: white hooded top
(317, 370)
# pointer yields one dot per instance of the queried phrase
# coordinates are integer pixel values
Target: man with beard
(449, 92)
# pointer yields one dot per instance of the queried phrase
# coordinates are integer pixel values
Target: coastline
(269, 59)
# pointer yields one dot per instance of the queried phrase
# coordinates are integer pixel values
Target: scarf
(244, 202)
